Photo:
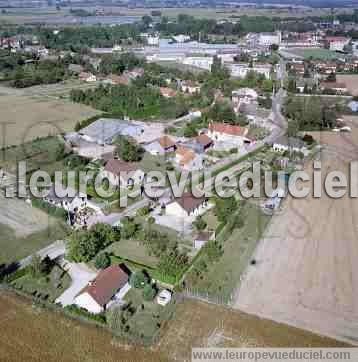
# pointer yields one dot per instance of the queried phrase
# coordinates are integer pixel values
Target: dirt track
(306, 273)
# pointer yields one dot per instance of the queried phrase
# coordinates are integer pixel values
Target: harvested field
(21, 217)
(32, 334)
(206, 325)
(53, 337)
(24, 230)
(351, 81)
(306, 271)
(25, 117)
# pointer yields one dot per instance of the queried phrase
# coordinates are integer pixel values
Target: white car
(164, 297)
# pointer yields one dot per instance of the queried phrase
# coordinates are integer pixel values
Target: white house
(232, 134)
(337, 43)
(68, 203)
(268, 39)
(187, 205)
(181, 38)
(202, 238)
(87, 77)
(241, 70)
(190, 87)
(110, 285)
(243, 96)
(123, 174)
(291, 144)
(199, 62)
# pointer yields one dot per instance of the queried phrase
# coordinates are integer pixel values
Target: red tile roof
(227, 129)
(188, 202)
(107, 283)
(204, 140)
(117, 166)
(167, 92)
(166, 142)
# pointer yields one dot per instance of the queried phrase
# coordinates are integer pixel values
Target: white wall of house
(115, 180)
(224, 137)
(87, 302)
(174, 209)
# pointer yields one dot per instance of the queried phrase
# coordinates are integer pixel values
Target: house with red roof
(124, 174)
(228, 133)
(110, 285)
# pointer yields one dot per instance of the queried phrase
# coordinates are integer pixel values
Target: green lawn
(13, 249)
(146, 321)
(133, 250)
(50, 287)
(153, 163)
(39, 153)
(223, 277)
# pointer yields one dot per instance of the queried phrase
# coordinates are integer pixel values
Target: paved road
(54, 250)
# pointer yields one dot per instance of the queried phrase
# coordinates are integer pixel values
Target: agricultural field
(53, 337)
(29, 114)
(351, 81)
(305, 270)
(51, 15)
(31, 334)
(207, 325)
(14, 248)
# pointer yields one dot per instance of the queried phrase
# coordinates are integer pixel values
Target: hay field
(200, 324)
(32, 334)
(306, 272)
(26, 115)
(351, 81)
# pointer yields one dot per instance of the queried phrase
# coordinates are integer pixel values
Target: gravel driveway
(80, 275)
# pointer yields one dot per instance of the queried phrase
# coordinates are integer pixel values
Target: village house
(109, 287)
(290, 144)
(202, 238)
(161, 146)
(68, 203)
(87, 77)
(336, 43)
(190, 87)
(231, 134)
(167, 92)
(75, 68)
(243, 96)
(187, 205)
(123, 174)
(188, 159)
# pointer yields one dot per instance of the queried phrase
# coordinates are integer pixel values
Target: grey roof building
(105, 130)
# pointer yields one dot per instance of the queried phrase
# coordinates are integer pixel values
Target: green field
(13, 248)
(223, 277)
(315, 53)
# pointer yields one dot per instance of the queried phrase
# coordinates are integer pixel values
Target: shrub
(149, 292)
(102, 261)
(74, 309)
(138, 280)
